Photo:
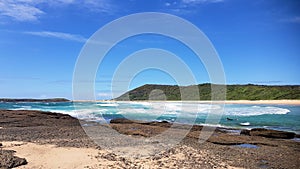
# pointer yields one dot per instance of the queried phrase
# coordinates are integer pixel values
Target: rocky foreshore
(258, 148)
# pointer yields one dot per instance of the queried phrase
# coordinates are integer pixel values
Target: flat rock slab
(269, 133)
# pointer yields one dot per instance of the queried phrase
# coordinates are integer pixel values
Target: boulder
(245, 132)
(128, 121)
(271, 133)
(8, 160)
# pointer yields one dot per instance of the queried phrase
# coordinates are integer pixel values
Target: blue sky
(257, 41)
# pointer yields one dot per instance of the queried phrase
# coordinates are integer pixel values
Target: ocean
(278, 117)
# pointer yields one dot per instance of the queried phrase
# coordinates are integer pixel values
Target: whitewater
(271, 116)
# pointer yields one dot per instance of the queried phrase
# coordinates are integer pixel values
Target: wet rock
(245, 132)
(224, 139)
(121, 121)
(272, 133)
(128, 121)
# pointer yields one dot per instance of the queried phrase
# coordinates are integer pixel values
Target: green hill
(233, 92)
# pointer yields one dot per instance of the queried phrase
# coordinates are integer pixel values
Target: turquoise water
(279, 117)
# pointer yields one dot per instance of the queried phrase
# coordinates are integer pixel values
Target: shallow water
(247, 146)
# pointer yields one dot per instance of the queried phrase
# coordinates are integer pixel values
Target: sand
(50, 156)
(283, 102)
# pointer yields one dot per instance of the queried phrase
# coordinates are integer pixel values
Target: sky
(257, 42)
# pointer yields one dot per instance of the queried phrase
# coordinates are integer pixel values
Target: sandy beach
(278, 102)
(284, 102)
(53, 140)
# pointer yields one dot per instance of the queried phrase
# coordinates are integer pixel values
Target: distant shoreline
(280, 102)
(34, 100)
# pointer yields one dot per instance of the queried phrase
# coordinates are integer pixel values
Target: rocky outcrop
(139, 128)
(152, 123)
(245, 132)
(37, 126)
(30, 118)
(269, 133)
(122, 121)
(8, 160)
(216, 152)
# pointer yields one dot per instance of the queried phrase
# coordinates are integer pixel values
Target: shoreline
(274, 102)
(58, 136)
(271, 102)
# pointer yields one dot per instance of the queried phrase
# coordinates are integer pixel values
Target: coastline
(278, 102)
(57, 136)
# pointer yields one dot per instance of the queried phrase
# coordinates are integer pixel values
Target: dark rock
(8, 160)
(164, 121)
(121, 121)
(38, 126)
(153, 123)
(225, 139)
(165, 124)
(272, 133)
(1, 144)
(245, 132)
(110, 157)
(29, 118)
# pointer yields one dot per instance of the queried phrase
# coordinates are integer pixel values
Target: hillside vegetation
(233, 92)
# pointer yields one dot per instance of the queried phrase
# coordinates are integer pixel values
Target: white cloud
(188, 7)
(104, 94)
(59, 35)
(20, 11)
(104, 6)
(201, 1)
(30, 10)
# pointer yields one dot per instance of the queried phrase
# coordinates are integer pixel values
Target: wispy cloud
(59, 35)
(103, 94)
(104, 6)
(20, 10)
(295, 19)
(31, 10)
(13, 79)
(187, 6)
(201, 1)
